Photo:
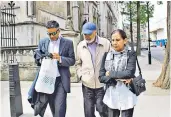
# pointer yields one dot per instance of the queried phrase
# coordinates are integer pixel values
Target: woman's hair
(121, 32)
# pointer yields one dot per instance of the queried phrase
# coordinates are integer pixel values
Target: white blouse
(119, 97)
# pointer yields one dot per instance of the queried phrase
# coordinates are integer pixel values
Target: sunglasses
(53, 33)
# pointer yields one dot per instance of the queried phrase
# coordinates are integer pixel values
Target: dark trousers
(57, 100)
(124, 113)
(92, 98)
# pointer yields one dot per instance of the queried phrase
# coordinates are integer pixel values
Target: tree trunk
(131, 32)
(164, 79)
(138, 49)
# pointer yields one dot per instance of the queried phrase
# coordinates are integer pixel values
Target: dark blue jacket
(66, 51)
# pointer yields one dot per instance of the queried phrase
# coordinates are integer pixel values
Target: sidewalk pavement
(155, 102)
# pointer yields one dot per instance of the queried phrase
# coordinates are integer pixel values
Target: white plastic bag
(119, 97)
(47, 76)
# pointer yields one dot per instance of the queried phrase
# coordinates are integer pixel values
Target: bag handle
(138, 65)
(137, 60)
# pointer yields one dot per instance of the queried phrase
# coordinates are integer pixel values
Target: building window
(68, 8)
(31, 8)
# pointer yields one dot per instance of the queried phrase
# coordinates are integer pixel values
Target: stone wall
(58, 8)
(27, 72)
(44, 16)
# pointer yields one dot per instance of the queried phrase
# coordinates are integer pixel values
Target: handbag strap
(137, 60)
(138, 65)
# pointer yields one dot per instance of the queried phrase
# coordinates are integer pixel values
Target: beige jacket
(84, 66)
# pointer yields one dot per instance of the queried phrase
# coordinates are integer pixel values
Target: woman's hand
(107, 73)
(126, 81)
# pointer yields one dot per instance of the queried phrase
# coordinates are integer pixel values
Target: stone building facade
(31, 17)
(110, 17)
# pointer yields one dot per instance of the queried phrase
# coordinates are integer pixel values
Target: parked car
(144, 45)
(153, 44)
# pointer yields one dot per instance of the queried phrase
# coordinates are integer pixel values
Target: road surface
(157, 53)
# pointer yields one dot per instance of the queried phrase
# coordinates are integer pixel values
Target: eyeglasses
(53, 33)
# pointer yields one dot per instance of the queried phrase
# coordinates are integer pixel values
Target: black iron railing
(8, 27)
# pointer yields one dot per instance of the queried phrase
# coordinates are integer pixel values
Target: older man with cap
(89, 54)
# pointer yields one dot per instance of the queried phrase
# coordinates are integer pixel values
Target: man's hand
(107, 73)
(56, 56)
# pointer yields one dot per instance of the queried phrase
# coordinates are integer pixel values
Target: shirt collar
(98, 42)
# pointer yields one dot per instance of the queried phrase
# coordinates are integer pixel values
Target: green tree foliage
(143, 11)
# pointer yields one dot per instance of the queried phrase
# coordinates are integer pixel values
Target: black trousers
(124, 113)
(93, 98)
